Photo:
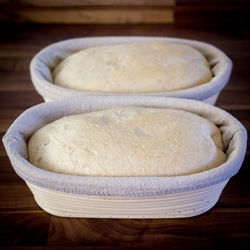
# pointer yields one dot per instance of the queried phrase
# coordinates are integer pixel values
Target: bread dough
(141, 67)
(130, 141)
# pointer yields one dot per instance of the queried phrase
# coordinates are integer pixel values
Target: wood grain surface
(23, 224)
(94, 11)
(208, 12)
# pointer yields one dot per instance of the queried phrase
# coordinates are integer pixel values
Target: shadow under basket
(124, 197)
(46, 60)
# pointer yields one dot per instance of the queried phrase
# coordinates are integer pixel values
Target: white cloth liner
(49, 57)
(15, 141)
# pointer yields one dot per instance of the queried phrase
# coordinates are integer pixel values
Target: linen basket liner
(15, 141)
(49, 57)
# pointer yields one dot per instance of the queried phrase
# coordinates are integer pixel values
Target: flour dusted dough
(129, 141)
(133, 68)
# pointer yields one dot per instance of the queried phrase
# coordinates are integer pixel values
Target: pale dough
(128, 141)
(141, 67)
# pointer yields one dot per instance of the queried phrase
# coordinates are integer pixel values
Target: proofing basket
(124, 197)
(46, 60)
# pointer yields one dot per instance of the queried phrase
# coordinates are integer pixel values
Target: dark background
(28, 26)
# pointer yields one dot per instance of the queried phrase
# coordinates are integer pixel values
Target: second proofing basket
(46, 60)
(124, 197)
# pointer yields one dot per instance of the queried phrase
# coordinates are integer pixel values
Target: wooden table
(23, 223)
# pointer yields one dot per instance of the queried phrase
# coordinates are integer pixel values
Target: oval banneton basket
(46, 60)
(124, 197)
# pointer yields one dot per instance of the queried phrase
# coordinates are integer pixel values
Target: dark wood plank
(209, 231)
(24, 229)
(114, 14)
(212, 13)
(234, 99)
(7, 173)
(73, 248)
(14, 64)
(65, 3)
(19, 100)
(16, 197)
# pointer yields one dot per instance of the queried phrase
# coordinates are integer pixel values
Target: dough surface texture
(142, 67)
(128, 141)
